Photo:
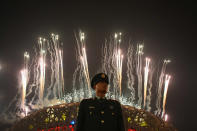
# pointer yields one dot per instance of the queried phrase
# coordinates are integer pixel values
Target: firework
(24, 79)
(24, 85)
(161, 81)
(42, 44)
(42, 87)
(112, 65)
(130, 72)
(146, 79)
(167, 80)
(119, 70)
(56, 55)
(82, 68)
(139, 72)
(61, 70)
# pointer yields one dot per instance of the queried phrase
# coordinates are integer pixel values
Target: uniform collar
(100, 98)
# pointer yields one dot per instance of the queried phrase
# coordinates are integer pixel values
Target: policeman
(99, 113)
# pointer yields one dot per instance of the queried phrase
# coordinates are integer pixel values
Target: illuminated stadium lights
(134, 119)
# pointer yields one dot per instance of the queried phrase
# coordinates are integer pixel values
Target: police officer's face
(101, 88)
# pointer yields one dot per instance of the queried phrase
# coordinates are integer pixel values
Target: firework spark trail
(51, 91)
(139, 72)
(74, 85)
(42, 60)
(86, 72)
(62, 70)
(57, 67)
(161, 80)
(167, 80)
(34, 85)
(82, 66)
(114, 46)
(119, 70)
(150, 82)
(117, 59)
(24, 79)
(54, 87)
(42, 77)
(106, 64)
(24, 85)
(130, 72)
(10, 113)
(112, 65)
(146, 79)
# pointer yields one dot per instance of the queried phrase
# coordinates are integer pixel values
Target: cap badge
(103, 75)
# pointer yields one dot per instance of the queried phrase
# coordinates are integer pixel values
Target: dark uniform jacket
(100, 115)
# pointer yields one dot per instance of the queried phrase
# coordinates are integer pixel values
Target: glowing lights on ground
(72, 122)
(64, 127)
(131, 130)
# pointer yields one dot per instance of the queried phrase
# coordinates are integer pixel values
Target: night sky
(167, 30)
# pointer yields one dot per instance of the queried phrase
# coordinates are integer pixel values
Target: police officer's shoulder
(86, 100)
(114, 101)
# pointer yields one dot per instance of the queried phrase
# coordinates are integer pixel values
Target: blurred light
(26, 54)
(115, 36)
(166, 117)
(72, 122)
(167, 61)
(131, 130)
(57, 37)
(82, 36)
(43, 51)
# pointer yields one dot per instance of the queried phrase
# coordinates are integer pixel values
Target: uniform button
(102, 112)
(102, 121)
